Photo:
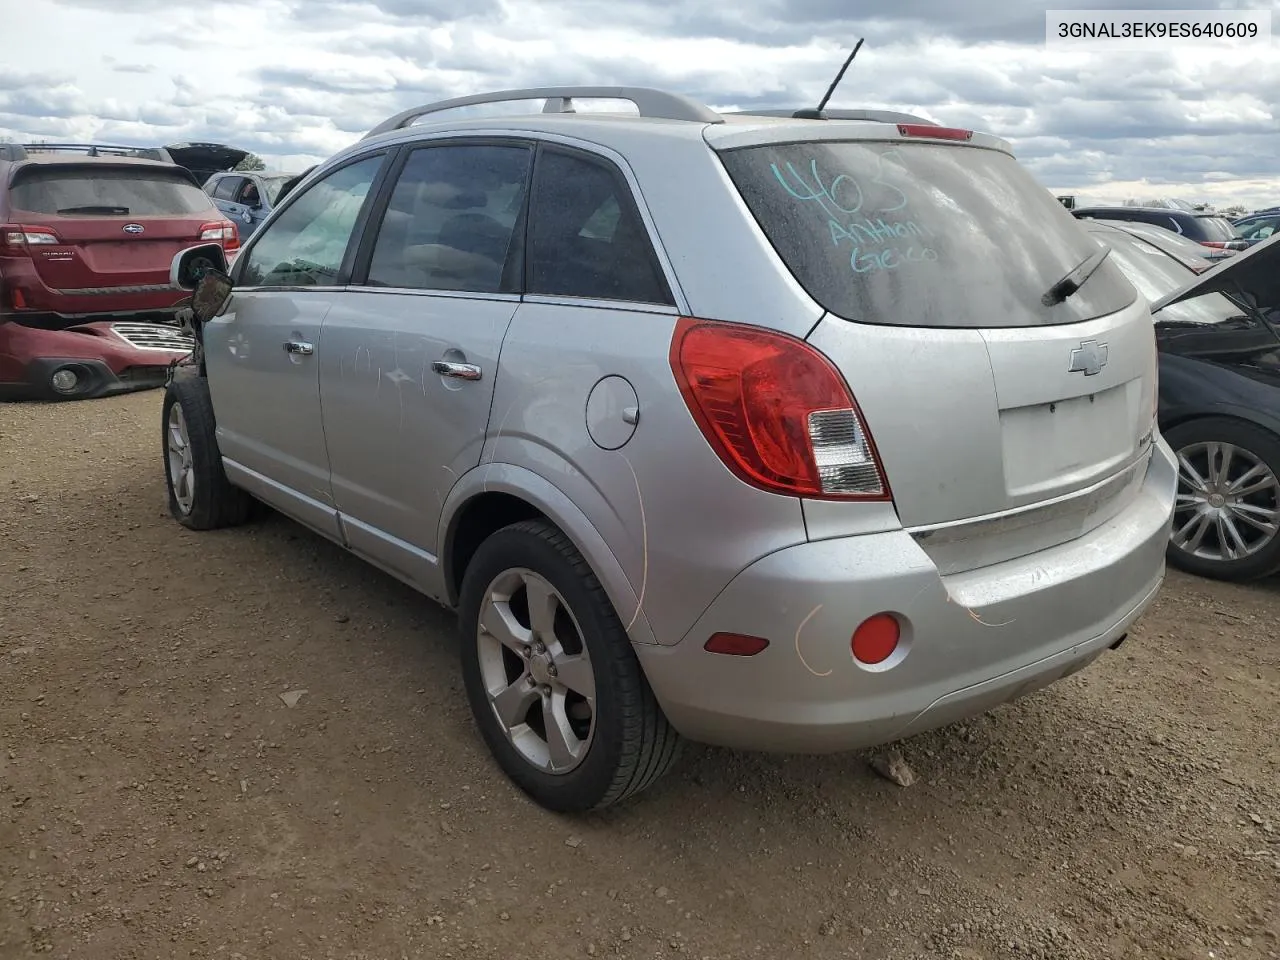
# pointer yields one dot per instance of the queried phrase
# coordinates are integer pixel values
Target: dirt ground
(158, 798)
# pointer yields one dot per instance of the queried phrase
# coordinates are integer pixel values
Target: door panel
(401, 429)
(263, 353)
(268, 399)
(399, 433)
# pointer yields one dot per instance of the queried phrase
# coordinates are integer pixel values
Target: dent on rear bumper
(971, 640)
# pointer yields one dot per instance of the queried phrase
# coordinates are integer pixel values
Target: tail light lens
(776, 411)
(224, 231)
(16, 238)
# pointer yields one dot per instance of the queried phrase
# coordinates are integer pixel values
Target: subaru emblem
(134, 228)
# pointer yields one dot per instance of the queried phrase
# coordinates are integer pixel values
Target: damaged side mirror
(211, 295)
(188, 266)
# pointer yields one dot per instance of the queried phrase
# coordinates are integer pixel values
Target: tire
(209, 501)
(626, 744)
(1253, 450)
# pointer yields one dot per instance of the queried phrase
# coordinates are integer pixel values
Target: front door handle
(460, 371)
(300, 347)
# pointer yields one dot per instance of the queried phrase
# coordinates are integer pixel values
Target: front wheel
(1226, 521)
(553, 683)
(200, 495)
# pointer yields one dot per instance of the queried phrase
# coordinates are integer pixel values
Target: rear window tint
(106, 191)
(921, 235)
(1218, 228)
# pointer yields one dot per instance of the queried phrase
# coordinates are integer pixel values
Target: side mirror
(211, 295)
(188, 266)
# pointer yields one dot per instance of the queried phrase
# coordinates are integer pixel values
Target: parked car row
(731, 428)
(86, 236)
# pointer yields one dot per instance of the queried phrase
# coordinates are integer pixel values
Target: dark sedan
(1219, 405)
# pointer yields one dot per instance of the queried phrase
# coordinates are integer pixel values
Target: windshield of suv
(1157, 274)
(921, 235)
(274, 184)
(92, 190)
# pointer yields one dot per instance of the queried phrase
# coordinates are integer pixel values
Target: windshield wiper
(104, 211)
(1074, 280)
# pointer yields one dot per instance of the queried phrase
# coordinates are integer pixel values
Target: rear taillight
(223, 231)
(936, 133)
(1216, 244)
(776, 411)
(15, 238)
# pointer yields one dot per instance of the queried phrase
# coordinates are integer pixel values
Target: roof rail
(101, 150)
(12, 151)
(877, 116)
(649, 102)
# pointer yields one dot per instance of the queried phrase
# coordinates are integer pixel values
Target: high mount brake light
(776, 411)
(936, 133)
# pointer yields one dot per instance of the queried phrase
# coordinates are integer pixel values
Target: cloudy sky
(295, 80)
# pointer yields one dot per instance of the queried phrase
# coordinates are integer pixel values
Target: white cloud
(295, 80)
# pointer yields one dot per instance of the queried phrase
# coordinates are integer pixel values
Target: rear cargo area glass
(115, 191)
(921, 235)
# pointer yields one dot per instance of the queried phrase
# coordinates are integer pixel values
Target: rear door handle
(299, 346)
(459, 371)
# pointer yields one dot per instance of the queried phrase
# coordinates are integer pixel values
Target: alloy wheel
(1228, 502)
(536, 671)
(181, 469)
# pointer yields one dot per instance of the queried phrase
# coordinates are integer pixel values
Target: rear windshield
(1218, 228)
(1157, 275)
(921, 235)
(80, 191)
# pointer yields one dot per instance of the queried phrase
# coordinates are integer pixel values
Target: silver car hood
(1255, 273)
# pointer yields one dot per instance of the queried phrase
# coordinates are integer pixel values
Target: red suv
(87, 235)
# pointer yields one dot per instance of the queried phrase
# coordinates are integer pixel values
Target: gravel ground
(158, 798)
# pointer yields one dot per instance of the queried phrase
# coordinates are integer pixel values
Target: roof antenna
(818, 114)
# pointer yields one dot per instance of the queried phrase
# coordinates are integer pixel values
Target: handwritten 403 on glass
(875, 222)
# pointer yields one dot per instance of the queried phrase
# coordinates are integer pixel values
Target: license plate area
(1049, 446)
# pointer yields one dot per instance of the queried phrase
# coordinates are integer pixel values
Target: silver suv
(776, 433)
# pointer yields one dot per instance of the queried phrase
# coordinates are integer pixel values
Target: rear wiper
(104, 211)
(1074, 280)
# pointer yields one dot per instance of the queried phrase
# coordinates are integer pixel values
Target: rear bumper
(970, 641)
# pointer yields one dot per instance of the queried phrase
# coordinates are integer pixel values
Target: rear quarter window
(106, 191)
(921, 235)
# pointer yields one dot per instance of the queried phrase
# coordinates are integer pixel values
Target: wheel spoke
(1260, 518)
(497, 620)
(512, 703)
(1190, 541)
(563, 744)
(1229, 539)
(1188, 501)
(1254, 480)
(1190, 475)
(1219, 456)
(543, 604)
(576, 675)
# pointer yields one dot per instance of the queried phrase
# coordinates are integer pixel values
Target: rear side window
(451, 218)
(921, 235)
(226, 188)
(586, 238)
(80, 191)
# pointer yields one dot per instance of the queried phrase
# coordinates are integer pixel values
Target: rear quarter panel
(679, 523)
